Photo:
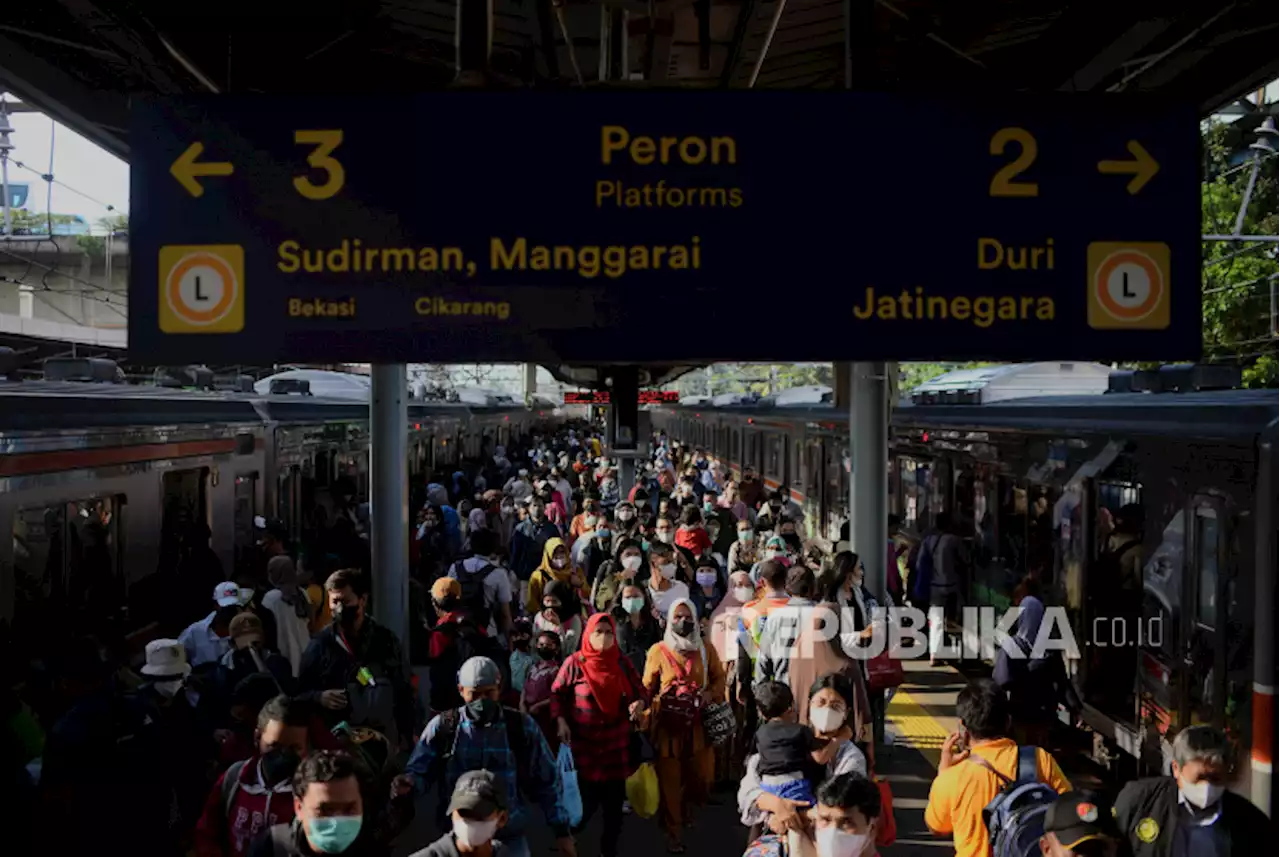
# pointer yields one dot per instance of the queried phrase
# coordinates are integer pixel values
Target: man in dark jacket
(356, 668)
(1191, 814)
(529, 539)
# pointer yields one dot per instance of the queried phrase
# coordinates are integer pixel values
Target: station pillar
(389, 496)
(530, 383)
(625, 440)
(868, 402)
(1266, 671)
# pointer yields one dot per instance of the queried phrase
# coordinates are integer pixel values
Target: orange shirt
(959, 794)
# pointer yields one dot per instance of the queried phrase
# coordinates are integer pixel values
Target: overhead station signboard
(602, 397)
(662, 227)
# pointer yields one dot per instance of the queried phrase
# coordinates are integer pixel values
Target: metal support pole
(1266, 670)
(389, 496)
(473, 40)
(626, 476)
(868, 469)
(530, 383)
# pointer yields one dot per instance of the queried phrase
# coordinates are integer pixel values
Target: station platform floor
(920, 716)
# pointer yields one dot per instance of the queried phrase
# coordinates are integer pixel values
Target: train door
(1202, 671)
(246, 509)
(817, 505)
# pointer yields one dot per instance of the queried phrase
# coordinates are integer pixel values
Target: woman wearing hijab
(594, 700)
(561, 614)
(555, 566)
(433, 543)
(292, 611)
(477, 519)
(685, 760)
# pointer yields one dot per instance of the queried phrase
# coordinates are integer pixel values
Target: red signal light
(925, 437)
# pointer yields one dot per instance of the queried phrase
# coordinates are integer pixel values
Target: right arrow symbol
(1143, 167)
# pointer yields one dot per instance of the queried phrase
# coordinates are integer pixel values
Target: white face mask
(770, 554)
(473, 834)
(558, 563)
(668, 570)
(169, 689)
(666, 537)
(834, 842)
(743, 593)
(1201, 794)
(826, 719)
(632, 562)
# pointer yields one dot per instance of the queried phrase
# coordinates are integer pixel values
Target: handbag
(884, 672)
(887, 831)
(681, 702)
(719, 723)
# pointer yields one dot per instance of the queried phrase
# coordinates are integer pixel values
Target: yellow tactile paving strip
(915, 726)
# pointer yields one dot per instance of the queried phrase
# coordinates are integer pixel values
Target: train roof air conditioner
(87, 370)
(288, 386)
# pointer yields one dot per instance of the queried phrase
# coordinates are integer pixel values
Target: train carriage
(1036, 483)
(98, 481)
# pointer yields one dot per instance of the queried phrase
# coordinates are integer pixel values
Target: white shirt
(663, 599)
(202, 644)
(292, 631)
(496, 585)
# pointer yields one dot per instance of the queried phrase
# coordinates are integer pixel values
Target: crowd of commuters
(675, 621)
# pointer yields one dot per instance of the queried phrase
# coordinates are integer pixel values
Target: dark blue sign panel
(662, 227)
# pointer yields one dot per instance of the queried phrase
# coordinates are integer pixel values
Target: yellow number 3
(320, 159)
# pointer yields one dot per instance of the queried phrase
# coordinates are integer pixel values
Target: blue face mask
(602, 534)
(334, 834)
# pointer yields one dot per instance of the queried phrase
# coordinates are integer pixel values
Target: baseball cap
(479, 672)
(478, 793)
(226, 593)
(1080, 816)
(444, 587)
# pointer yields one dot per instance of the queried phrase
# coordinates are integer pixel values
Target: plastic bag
(569, 792)
(642, 791)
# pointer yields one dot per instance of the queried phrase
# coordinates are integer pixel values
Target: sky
(77, 163)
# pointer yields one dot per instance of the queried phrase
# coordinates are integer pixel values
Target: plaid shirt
(601, 747)
(478, 747)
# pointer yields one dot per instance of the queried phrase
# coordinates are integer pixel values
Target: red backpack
(682, 700)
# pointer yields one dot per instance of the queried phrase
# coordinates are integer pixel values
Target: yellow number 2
(1003, 184)
(320, 159)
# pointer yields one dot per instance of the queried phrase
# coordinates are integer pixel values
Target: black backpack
(472, 585)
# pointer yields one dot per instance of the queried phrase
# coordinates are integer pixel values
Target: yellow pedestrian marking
(915, 726)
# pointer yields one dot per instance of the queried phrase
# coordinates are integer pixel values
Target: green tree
(1239, 278)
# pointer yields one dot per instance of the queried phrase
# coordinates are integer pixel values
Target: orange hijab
(603, 668)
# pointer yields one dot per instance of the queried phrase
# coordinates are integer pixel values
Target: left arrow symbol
(186, 169)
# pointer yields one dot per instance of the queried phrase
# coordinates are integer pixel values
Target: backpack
(472, 585)
(444, 741)
(1015, 817)
(230, 785)
(922, 572)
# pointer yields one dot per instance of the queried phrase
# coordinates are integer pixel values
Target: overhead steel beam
(1114, 55)
(102, 117)
(130, 44)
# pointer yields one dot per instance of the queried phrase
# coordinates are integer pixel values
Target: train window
(773, 457)
(1207, 567)
(246, 509)
(67, 570)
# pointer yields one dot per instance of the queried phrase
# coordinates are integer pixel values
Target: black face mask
(547, 654)
(521, 643)
(279, 764)
(683, 627)
(345, 617)
(484, 710)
